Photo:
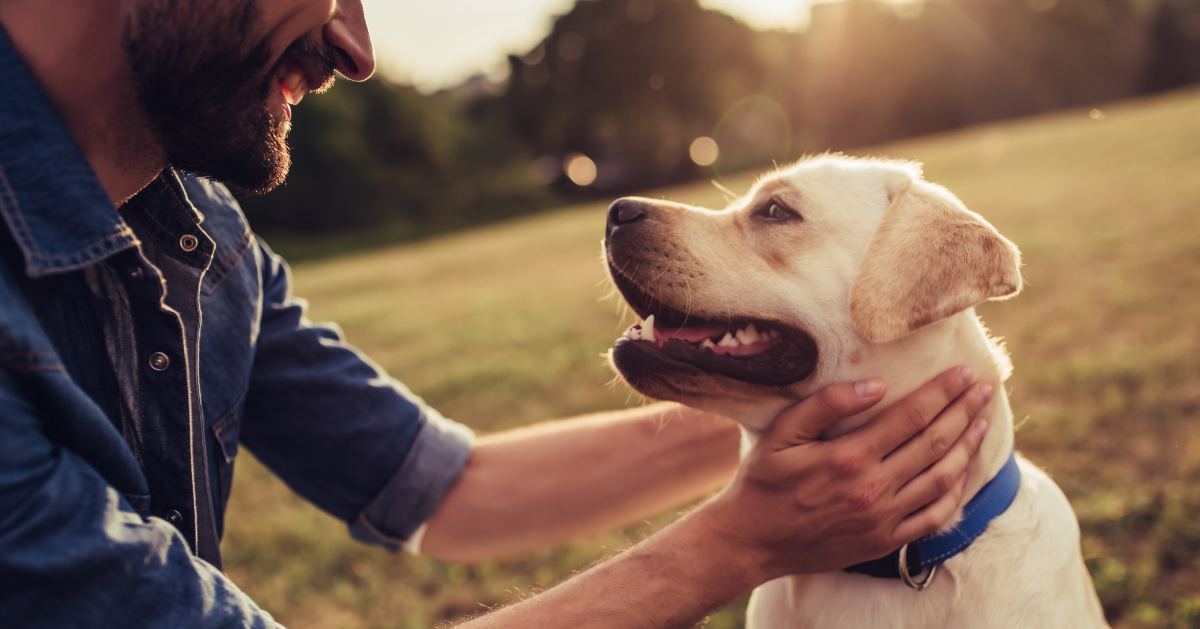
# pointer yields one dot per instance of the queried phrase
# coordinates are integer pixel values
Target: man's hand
(803, 505)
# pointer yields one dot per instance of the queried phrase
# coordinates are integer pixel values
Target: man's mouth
(293, 82)
(752, 350)
(306, 66)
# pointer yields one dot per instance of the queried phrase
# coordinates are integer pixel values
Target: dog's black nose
(625, 211)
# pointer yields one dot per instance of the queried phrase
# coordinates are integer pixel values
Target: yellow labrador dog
(834, 270)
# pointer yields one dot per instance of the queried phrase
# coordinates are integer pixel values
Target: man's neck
(74, 49)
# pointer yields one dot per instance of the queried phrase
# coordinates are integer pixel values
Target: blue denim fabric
(139, 347)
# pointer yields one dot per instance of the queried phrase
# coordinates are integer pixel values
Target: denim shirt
(139, 347)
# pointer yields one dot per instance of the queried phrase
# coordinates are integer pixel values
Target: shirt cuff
(433, 464)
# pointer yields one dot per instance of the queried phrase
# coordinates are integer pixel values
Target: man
(145, 333)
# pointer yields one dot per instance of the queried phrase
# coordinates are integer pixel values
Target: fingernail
(962, 480)
(868, 387)
(985, 392)
(965, 376)
(980, 427)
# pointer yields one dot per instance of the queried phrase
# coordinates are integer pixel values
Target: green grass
(504, 326)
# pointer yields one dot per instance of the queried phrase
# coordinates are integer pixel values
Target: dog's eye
(776, 211)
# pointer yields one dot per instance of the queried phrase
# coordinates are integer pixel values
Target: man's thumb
(808, 419)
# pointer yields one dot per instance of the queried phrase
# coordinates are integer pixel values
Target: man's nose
(347, 32)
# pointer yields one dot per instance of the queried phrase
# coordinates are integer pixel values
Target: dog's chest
(846, 600)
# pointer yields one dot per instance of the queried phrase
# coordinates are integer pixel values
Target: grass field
(504, 326)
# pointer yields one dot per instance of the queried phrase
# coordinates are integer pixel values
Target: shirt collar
(59, 214)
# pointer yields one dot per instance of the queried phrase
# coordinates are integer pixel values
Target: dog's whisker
(730, 195)
(688, 309)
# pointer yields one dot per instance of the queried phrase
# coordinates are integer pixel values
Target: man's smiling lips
(293, 84)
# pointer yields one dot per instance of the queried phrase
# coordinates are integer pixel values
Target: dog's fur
(882, 270)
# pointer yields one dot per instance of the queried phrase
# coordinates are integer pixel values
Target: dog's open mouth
(751, 350)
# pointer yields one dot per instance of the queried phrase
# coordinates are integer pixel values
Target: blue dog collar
(928, 552)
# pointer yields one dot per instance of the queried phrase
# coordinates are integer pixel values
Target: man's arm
(556, 482)
(798, 505)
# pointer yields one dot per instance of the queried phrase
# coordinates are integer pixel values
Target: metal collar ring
(907, 578)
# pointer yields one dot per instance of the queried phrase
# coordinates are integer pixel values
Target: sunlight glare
(704, 151)
(580, 169)
(769, 14)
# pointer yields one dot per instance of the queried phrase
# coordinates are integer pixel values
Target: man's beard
(204, 89)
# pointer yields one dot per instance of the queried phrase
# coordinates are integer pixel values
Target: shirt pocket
(226, 433)
(233, 242)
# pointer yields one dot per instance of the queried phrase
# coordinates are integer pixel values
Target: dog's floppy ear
(930, 257)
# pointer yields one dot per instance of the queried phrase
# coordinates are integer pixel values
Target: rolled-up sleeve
(340, 431)
(74, 553)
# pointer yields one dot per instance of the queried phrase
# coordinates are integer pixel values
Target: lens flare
(580, 169)
(704, 151)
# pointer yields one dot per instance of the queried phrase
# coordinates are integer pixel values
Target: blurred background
(518, 106)
(448, 215)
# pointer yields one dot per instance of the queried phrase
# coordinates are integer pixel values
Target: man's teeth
(294, 85)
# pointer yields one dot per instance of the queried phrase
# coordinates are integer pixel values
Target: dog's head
(761, 304)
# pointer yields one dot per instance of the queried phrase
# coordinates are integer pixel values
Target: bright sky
(438, 43)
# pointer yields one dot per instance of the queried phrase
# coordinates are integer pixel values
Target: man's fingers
(934, 482)
(808, 419)
(911, 415)
(934, 442)
(932, 517)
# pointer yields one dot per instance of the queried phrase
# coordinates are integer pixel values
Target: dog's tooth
(728, 341)
(707, 344)
(749, 335)
(648, 329)
(775, 334)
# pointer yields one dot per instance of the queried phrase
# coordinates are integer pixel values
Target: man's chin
(254, 167)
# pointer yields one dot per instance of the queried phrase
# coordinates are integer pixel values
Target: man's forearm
(672, 579)
(556, 482)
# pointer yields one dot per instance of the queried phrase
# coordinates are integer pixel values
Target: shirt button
(175, 518)
(159, 361)
(188, 242)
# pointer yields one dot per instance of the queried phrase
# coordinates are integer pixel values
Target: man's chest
(161, 337)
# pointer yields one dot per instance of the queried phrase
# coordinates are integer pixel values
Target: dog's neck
(906, 364)
(910, 362)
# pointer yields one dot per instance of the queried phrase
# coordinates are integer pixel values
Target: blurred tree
(631, 83)
(378, 154)
(1175, 40)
